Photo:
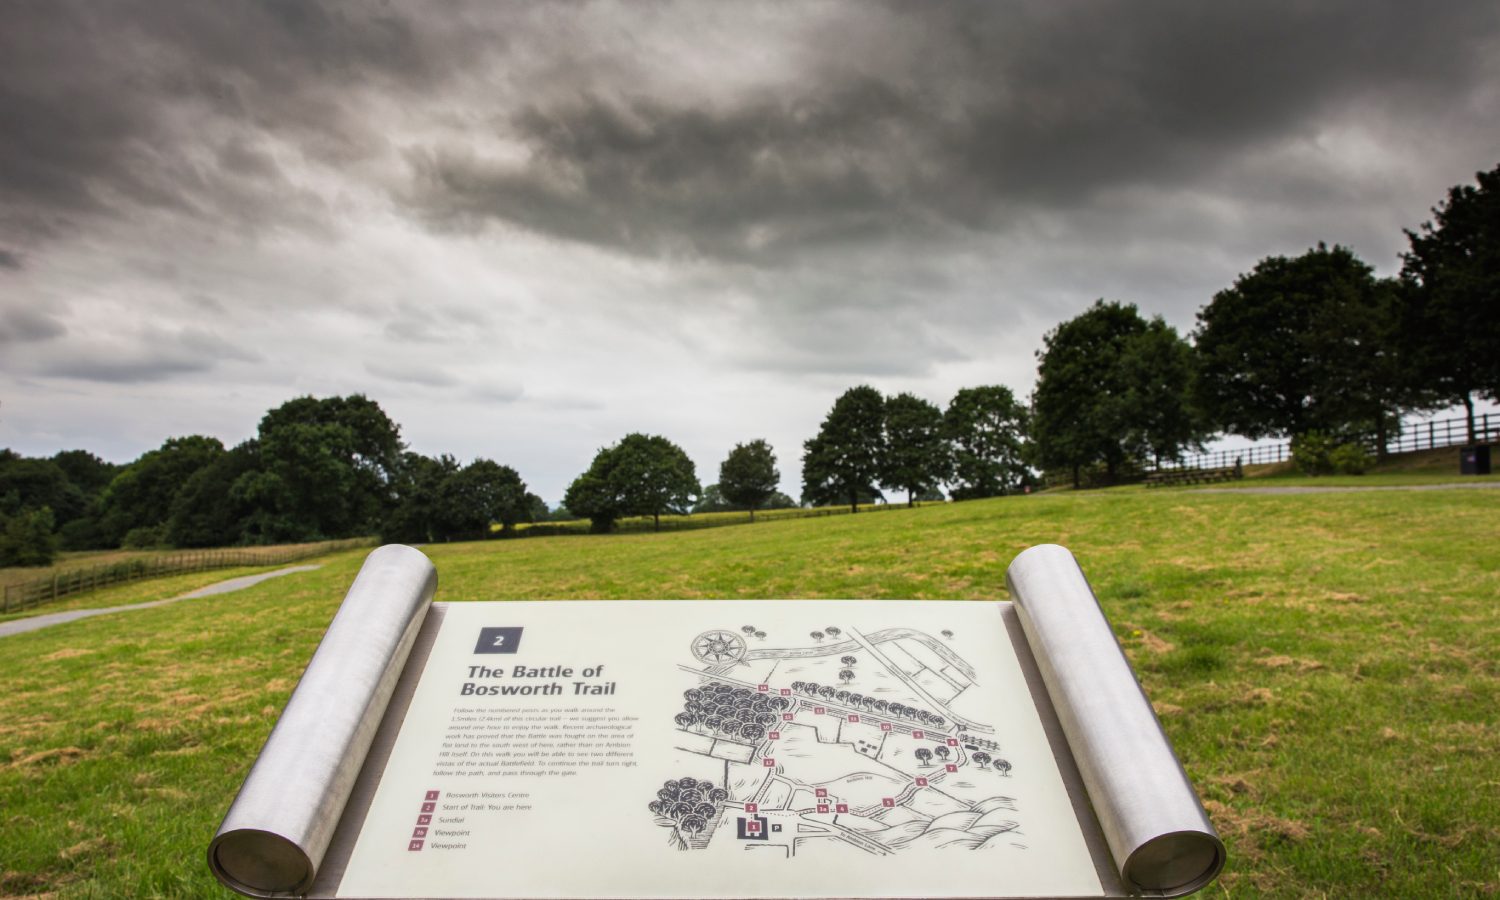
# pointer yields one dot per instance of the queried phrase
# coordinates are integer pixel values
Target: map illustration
(847, 739)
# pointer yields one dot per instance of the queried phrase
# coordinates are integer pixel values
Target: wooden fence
(1423, 436)
(64, 583)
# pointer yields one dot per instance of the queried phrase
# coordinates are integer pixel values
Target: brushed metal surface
(275, 834)
(1158, 833)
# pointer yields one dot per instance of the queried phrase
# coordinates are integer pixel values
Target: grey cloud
(28, 326)
(411, 373)
(9, 259)
(151, 354)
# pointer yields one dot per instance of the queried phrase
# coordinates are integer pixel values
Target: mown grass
(1327, 665)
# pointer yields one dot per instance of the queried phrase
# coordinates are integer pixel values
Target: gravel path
(1348, 490)
(20, 626)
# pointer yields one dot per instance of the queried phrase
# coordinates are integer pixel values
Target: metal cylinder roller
(1160, 838)
(275, 834)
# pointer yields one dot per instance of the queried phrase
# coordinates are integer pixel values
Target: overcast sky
(526, 230)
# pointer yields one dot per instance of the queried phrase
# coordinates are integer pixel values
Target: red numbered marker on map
(752, 807)
(885, 726)
(887, 801)
(953, 742)
(853, 717)
(822, 807)
(775, 735)
(821, 792)
(763, 688)
(917, 735)
(921, 782)
(951, 767)
(842, 807)
(768, 762)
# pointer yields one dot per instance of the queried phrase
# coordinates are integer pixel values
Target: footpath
(20, 626)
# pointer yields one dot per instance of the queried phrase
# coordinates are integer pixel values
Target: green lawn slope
(1327, 665)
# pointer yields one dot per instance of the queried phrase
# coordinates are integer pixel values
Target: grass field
(1327, 665)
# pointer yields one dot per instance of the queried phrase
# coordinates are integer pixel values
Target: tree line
(317, 469)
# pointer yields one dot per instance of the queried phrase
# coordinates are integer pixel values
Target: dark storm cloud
(110, 108)
(979, 118)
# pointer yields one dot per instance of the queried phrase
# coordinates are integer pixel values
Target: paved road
(20, 626)
(1330, 489)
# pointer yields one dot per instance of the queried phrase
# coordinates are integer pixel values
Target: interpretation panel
(726, 749)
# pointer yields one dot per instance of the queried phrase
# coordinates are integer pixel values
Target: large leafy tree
(1296, 346)
(140, 498)
(415, 517)
(1452, 273)
(207, 511)
(748, 476)
(642, 475)
(843, 462)
(917, 457)
(327, 469)
(1162, 421)
(479, 494)
(1101, 381)
(986, 428)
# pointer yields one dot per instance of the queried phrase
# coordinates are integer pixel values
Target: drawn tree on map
(717, 795)
(760, 635)
(748, 629)
(753, 732)
(846, 676)
(947, 634)
(833, 631)
(848, 660)
(923, 755)
(982, 758)
(1003, 767)
(693, 824)
(942, 753)
(684, 720)
(817, 635)
(882, 706)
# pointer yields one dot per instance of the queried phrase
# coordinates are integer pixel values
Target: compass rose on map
(715, 647)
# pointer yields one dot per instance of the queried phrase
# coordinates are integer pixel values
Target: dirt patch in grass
(58, 755)
(1282, 662)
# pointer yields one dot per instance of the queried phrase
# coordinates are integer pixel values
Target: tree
(26, 538)
(643, 475)
(833, 631)
(942, 752)
(917, 457)
(844, 460)
(1453, 273)
(327, 469)
(848, 660)
(846, 676)
(1093, 384)
(1294, 347)
(415, 517)
(986, 427)
(923, 755)
(479, 494)
(748, 476)
(206, 511)
(982, 758)
(142, 495)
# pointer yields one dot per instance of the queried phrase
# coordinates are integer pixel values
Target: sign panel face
(724, 749)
